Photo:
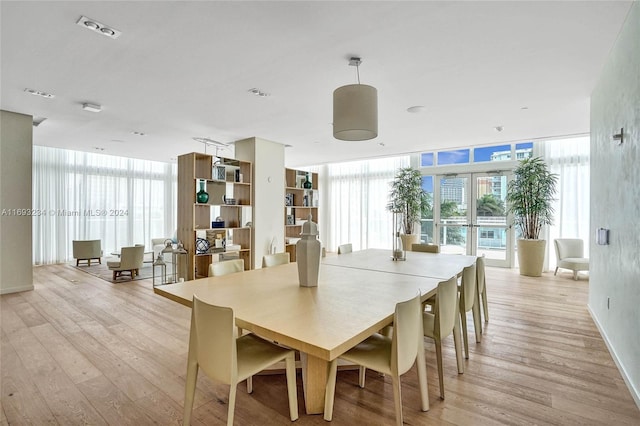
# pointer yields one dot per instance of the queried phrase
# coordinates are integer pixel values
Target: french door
(470, 216)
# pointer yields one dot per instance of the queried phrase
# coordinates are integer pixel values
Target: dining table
(350, 303)
(430, 265)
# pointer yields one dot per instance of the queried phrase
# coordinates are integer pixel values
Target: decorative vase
(308, 254)
(202, 196)
(307, 183)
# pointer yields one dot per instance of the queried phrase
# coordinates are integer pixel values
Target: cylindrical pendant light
(355, 111)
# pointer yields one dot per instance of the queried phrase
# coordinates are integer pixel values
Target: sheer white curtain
(121, 201)
(354, 197)
(569, 159)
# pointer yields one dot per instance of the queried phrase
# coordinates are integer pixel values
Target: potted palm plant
(407, 198)
(529, 196)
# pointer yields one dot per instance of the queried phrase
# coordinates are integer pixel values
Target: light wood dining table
(350, 303)
(430, 265)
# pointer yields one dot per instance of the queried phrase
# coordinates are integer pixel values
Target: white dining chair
(468, 302)
(226, 267)
(214, 348)
(425, 248)
(442, 322)
(345, 248)
(269, 260)
(392, 356)
(481, 287)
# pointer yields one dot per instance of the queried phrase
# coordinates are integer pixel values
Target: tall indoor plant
(407, 198)
(529, 196)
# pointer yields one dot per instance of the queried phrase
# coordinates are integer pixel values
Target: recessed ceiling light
(210, 142)
(381, 143)
(91, 107)
(138, 133)
(416, 109)
(525, 107)
(98, 27)
(499, 128)
(39, 93)
(258, 92)
(98, 148)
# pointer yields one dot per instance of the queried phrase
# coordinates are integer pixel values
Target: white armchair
(570, 255)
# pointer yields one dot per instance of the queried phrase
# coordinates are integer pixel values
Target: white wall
(16, 273)
(615, 202)
(268, 193)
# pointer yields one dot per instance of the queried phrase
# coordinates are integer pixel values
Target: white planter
(408, 240)
(531, 257)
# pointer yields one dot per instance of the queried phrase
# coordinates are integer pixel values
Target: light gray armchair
(570, 255)
(87, 250)
(131, 259)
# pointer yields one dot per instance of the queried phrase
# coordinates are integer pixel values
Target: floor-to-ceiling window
(80, 195)
(355, 196)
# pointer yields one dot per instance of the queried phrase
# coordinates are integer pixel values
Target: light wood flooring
(79, 350)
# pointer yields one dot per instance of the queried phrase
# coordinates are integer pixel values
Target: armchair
(131, 259)
(570, 255)
(87, 250)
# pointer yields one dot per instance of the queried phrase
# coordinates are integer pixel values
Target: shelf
(221, 177)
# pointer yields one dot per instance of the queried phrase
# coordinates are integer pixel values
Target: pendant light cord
(358, 72)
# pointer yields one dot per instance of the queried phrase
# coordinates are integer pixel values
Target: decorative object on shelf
(159, 271)
(219, 172)
(288, 199)
(307, 183)
(217, 223)
(291, 220)
(202, 196)
(248, 224)
(355, 110)
(202, 246)
(398, 252)
(308, 250)
(305, 201)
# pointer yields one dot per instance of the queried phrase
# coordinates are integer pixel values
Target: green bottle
(307, 183)
(202, 196)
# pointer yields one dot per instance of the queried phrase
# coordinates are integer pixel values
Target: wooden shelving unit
(299, 204)
(225, 180)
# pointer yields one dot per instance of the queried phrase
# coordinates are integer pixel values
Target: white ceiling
(183, 69)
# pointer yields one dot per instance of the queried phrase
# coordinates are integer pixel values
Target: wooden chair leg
(556, 271)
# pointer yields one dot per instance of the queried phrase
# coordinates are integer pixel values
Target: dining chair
(131, 259)
(392, 356)
(442, 322)
(269, 260)
(468, 302)
(219, 269)
(345, 248)
(481, 287)
(426, 248)
(214, 348)
(570, 255)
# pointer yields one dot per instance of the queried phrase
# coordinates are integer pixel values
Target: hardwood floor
(80, 350)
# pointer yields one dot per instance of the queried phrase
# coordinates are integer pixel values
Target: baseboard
(16, 289)
(635, 393)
